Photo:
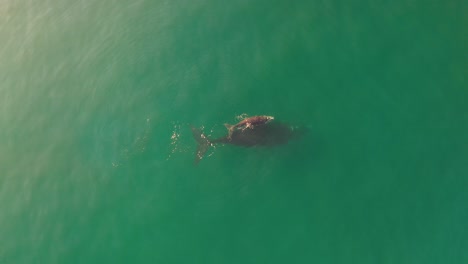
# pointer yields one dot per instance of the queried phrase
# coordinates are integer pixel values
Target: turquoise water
(96, 154)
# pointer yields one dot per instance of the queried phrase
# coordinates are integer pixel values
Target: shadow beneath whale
(266, 135)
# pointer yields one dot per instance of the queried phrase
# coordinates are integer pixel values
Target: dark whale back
(270, 134)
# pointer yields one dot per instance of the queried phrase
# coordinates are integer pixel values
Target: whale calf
(267, 135)
(249, 122)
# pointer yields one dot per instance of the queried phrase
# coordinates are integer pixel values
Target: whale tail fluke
(203, 143)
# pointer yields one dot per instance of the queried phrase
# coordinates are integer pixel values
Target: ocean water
(97, 157)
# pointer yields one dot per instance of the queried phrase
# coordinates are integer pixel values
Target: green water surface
(96, 154)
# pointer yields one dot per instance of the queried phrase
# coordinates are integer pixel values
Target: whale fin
(230, 129)
(203, 143)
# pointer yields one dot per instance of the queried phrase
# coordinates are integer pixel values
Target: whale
(266, 135)
(249, 122)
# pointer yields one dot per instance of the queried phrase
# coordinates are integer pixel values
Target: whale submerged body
(267, 135)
